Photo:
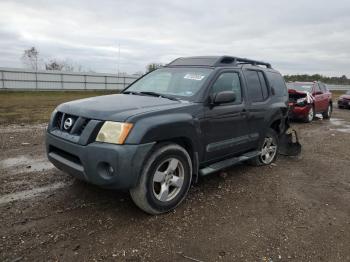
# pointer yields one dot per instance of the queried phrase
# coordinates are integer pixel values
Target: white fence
(21, 79)
(338, 87)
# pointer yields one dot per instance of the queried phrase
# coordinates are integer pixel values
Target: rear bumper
(102, 164)
(299, 112)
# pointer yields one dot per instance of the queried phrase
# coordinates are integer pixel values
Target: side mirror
(224, 97)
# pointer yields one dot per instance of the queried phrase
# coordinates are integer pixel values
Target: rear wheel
(268, 149)
(165, 180)
(310, 115)
(328, 113)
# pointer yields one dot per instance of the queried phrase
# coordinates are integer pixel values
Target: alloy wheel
(268, 151)
(168, 179)
(310, 115)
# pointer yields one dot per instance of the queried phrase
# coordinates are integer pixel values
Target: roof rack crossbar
(239, 60)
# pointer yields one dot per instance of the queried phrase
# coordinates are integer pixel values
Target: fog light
(105, 170)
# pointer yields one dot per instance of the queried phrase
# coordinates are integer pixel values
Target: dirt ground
(295, 210)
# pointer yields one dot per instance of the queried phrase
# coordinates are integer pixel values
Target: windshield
(184, 82)
(302, 87)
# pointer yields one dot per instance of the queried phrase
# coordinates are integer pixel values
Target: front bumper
(102, 164)
(344, 103)
(299, 112)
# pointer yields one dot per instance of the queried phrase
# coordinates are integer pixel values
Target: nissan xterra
(191, 118)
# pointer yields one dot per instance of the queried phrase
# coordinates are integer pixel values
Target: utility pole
(118, 65)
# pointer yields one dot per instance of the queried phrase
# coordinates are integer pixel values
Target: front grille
(58, 120)
(77, 126)
(64, 154)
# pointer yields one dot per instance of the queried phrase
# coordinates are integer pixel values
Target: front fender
(165, 127)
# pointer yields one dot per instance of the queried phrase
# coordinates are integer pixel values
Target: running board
(227, 163)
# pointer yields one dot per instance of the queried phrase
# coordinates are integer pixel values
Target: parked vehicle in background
(191, 118)
(306, 99)
(344, 100)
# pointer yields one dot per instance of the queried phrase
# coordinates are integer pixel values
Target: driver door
(225, 126)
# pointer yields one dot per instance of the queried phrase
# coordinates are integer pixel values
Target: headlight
(114, 132)
(301, 101)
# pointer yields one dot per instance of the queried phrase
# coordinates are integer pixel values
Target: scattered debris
(190, 258)
(223, 174)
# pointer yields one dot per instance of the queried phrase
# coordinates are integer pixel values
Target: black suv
(193, 117)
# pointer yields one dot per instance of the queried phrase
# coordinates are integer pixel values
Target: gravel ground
(295, 210)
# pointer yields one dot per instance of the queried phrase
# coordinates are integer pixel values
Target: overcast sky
(295, 36)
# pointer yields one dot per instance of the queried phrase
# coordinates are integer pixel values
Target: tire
(261, 159)
(311, 115)
(164, 181)
(328, 113)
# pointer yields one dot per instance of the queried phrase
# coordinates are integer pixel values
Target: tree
(342, 80)
(153, 66)
(63, 65)
(30, 58)
(54, 64)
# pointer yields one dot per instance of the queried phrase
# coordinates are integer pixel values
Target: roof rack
(216, 61)
(240, 61)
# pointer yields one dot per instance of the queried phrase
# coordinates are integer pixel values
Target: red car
(306, 99)
(344, 100)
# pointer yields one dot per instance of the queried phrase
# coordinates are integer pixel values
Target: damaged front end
(300, 103)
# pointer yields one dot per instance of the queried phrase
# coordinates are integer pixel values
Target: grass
(36, 106)
(337, 93)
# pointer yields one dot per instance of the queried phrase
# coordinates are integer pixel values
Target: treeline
(335, 80)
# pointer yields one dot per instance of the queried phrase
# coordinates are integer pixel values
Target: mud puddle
(21, 128)
(31, 193)
(340, 125)
(24, 164)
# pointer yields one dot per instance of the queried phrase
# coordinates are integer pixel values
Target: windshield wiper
(132, 92)
(159, 95)
(149, 93)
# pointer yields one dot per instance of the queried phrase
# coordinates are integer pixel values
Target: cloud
(295, 36)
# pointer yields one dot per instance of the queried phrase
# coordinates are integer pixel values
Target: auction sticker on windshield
(196, 77)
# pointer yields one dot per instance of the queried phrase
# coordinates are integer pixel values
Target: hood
(117, 107)
(345, 97)
(294, 95)
(293, 91)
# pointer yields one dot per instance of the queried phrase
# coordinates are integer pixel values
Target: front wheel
(268, 150)
(165, 180)
(311, 115)
(328, 113)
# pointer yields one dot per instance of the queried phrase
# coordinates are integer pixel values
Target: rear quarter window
(277, 83)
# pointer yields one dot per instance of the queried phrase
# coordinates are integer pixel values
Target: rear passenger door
(258, 98)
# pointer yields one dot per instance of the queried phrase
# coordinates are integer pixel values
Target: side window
(228, 82)
(277, 83)
(317, 88)
(263, 84)
(323, 87)
(254, 86)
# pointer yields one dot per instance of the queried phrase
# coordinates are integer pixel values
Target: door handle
(244, 112)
